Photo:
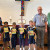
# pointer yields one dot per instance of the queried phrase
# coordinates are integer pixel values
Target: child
(22, 33)
(0, 21)
(1, 36)
(14, 36)
(0, 28)
(31, 34)
(0, 32)
(6, 37)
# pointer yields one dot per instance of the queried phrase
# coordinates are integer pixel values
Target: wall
(13, 8)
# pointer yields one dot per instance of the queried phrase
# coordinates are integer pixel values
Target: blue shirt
(40, 20)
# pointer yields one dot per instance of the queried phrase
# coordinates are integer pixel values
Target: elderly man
(40, 21)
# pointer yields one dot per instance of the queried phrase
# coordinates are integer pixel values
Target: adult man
(40, 21)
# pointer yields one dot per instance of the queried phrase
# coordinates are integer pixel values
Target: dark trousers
(48, 38)
(22, 42)
(13, 42)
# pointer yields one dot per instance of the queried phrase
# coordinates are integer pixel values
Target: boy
(31, 34)
(0, 27)
(0, 32)
(6, 37)
(1, 36)
(0, 21)
(14, 36)
(22, 33)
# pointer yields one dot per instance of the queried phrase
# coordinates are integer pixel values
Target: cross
(22, 8)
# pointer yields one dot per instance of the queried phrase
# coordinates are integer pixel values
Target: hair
(30, 21)
(0, 17)
(14, 23)
(39, 7)
(21, 24)
(6, 22)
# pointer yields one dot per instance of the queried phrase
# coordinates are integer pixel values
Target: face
(21, 25)
(5, 24)
(39, 10)
(14, 26)
(31, 24)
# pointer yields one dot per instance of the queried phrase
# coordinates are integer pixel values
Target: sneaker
(28, 49)
(23, 48)
(34, 49)
(20, 48)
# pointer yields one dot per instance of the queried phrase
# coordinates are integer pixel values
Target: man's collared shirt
(40, 20)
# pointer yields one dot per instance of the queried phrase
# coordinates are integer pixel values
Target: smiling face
(5, 24)
(39, 10)
(14, 25)
(21, 25)
(31, 23)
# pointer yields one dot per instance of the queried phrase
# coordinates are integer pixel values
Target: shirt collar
(41, 14)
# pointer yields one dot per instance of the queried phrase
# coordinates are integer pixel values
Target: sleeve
(35, 30)
(1, 22)
(2, 30)
(34, 19)
(25, 31)
(9, 28)
(45, 19)
(17, 29)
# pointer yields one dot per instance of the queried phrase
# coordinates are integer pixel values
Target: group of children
(22, 31)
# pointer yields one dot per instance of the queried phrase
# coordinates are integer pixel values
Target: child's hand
(29, 32)
(34, 33)
(21, 32)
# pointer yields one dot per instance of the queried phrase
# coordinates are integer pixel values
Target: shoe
(28, 49)
(20, 48)
(34, 48)
(23, 48)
